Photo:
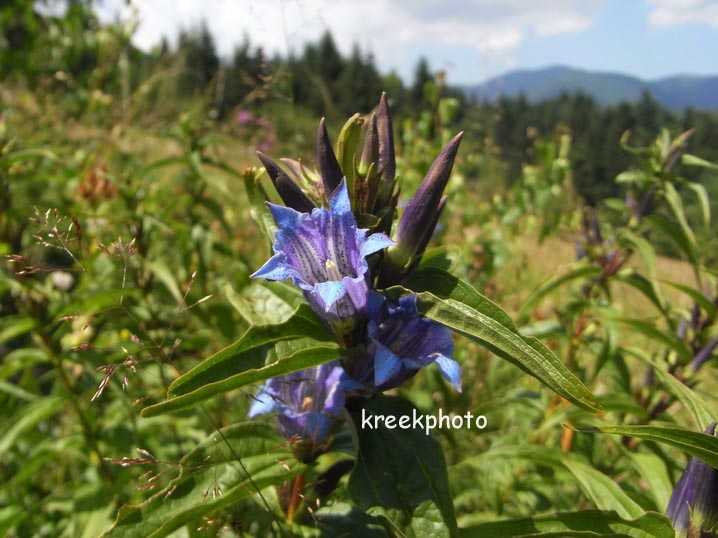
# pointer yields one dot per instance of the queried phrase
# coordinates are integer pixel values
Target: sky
(472, 40)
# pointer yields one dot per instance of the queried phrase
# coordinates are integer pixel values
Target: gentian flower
(307, 402)
(694, 504)
(400, 342)
(324, 253)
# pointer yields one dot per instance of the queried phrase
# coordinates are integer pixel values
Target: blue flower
(400, 342)
(308, 402)
(324, 253)
(694, 504)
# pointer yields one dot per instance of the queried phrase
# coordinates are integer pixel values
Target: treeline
(512, 125)
(79, 54)
(319, 77)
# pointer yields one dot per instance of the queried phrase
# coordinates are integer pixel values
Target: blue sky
(471, 39)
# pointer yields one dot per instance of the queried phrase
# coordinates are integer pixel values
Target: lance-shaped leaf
(699, 445)
(599, 488)
(594, 523)
(327, 161)
(456, 304)
(262, 352)
(291, 194)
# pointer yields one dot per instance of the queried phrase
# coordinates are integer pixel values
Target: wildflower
(693, 507)
(324, 253)
(400, 342)
(307, 402)
(244, 117)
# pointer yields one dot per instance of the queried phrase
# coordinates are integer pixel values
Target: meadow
(133, 340)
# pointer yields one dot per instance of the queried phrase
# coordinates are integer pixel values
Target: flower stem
(295, 500)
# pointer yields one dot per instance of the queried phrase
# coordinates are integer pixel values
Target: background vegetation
(127, 244)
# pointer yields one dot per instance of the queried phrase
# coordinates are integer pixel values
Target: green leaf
(163, 273)
(553, 283)
(583, 523)
(693, 403)
(676, 204)
(702, 195)
(456, 304)
(400, 473)
(700, 445)
(347, 147)
(30, 416)
(258, 203)
(264, 302)
(698, 296)
(676, 233)
(643, 285)
(210, 479)
(262, 352)
(664, 337)
(692, 160)
(14, 326)
(598, 487)
(642, 246)
(652, 469)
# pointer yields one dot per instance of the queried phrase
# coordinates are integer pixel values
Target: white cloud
(493, 29)
(675, 12)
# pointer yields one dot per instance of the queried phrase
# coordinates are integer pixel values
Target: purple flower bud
(327, 161)
(645, 206)
(420, 216)
(704, 354)
(370, 151)
(324, 253)
(289, 191)
(693, 507)
(423, 205)
(400, 342)
(580, 251)
(308, 403)
(385, 130)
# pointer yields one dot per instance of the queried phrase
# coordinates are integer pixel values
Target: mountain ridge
(675, 92)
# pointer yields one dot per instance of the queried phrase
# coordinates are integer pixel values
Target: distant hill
(676, 92)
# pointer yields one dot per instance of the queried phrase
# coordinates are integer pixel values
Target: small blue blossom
(400, 342)
(307, 402)
(324, 253)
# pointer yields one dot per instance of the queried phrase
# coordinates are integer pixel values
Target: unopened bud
(289, 191)
(693, 508)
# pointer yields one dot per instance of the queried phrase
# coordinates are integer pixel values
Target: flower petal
(329, 292)
(386, 365)
(340, 202)
(285, 217)
(375, 243)
(450, 370)
(262, 403)
(275, 268)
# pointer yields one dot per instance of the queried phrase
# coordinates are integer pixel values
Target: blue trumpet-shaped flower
(307, 402)
(324, 253)
(400, 342)
(694, 504)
